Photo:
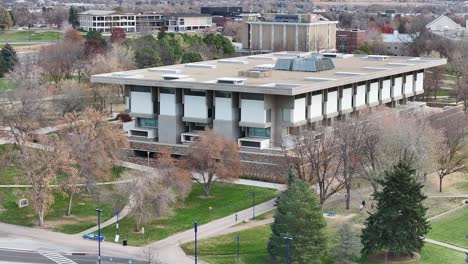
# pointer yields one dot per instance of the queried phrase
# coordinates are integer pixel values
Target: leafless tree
(73, 97)
(317, 159)
(41, 167)
(233, 29)
(432, 80)
(95, 144)
(24, 111)
(450, 157)
(212, 155)
(351, 138)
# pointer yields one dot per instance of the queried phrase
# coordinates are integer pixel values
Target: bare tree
(95, 145)
(233, 29)
(24, 111)
(148, 197)
(41, 167)
(432, 80)
(451, 158)
(212, 155)
(73, 97)
(317, 159)
(350, 134)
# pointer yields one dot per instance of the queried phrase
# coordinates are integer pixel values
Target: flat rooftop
(209, 75)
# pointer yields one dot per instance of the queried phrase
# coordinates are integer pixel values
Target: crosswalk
(57, 258)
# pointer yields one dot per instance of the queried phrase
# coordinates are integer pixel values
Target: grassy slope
(227, 199)
(451, 228)
(222, 250)
(4, 85)
(33, 35)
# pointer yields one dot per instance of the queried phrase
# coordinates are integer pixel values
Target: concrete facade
(260, 113)
(295, 32)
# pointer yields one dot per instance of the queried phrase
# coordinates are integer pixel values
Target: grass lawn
(83, 214)
(442, 92)
(253, 249)
(33, 35)
(227, 199)
(451, 228)
(4, 85)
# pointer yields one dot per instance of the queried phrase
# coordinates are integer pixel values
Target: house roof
(397, 38)
(445, 22)
(99, 12)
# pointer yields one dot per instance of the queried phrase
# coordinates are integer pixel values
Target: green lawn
(83, 214)
(4, 85)
(442, 92)
(33, 35)
(451, 228)
(227, 199)
(253, 243)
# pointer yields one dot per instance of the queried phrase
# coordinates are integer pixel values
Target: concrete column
(328, 38)
(261, 37)
(297, 38)
(284, 37)
(272, 37)
(315, 38)
(307, 47)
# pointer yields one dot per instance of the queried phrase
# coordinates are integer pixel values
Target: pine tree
(73, 17)
(298, 216)
(400, 223)
(8, 59)
(5, 19)
(348, 246)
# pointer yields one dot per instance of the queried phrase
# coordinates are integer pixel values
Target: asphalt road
(12, 256)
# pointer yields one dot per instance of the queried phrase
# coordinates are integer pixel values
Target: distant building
(347, 41)
(446, 27)
(104, 20)
(295, 32)
(224, 11)
(396, 43)
(181, 22)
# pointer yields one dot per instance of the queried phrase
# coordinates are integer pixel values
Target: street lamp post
(148, 157)
(253, 202)
(195, 229)
(99, 211)
(288, 242)
(237, 239)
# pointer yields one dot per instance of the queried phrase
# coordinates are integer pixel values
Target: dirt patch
(68, 220)
(381, 257)
(206, 197)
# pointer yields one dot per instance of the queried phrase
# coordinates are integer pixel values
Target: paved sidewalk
(170, 246)
(55, 185)
(445, 245)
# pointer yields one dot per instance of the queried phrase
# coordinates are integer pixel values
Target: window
(167, 90)
(252, 96)
(143, 89)
(195, 92)
(223, 94)
(148, 122)
(259, 132)
(287, 115)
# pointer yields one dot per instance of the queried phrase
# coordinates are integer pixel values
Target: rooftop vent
(200, 65)
(126, 75)
(234, 81)
(377, 57)
(164, 70)
(292, 54)
(318, 79)
(255, 73)
(261, 58)
(374, 68)
(337, 55)
(230, 61)
(264, 67)
(399, 64)
(349, 73)
(313, 63)
(169, 77)
(281, 85)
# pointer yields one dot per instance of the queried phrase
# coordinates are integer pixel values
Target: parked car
(93, 236)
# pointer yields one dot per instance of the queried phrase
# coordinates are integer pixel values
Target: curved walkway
(56, 185)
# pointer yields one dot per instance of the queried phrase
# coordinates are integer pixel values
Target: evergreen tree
(348, 246)
(191, 57)
(399, 223)
(298, 216)
(9, 59)
(73, 17)
(5, 19)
